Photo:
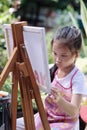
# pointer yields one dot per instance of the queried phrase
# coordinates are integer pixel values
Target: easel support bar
(9, 66)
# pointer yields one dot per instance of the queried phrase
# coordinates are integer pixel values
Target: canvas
(35, 44)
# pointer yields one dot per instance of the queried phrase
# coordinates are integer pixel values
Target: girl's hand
(55, 94)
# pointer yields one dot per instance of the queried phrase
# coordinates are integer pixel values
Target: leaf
(83, 15)
(73, 19)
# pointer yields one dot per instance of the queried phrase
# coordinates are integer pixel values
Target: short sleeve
(79, 85)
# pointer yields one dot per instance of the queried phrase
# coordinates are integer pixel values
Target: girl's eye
(63, 55)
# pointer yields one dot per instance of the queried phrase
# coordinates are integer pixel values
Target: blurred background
(49, 14)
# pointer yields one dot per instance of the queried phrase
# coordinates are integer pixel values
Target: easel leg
(39, 103)
(41, 109)
(27, 104)
(14, 100)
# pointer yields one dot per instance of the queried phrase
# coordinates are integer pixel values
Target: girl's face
(63, 57)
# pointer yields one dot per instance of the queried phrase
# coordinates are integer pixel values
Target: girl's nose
(58, 59)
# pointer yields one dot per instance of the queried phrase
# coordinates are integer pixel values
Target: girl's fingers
(54, 91)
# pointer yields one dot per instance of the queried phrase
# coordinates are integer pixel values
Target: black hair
(70, 37)
(52, 71)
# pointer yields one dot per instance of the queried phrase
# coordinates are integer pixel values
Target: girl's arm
(71, 108)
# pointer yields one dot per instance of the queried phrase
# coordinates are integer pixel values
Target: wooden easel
(22, 75)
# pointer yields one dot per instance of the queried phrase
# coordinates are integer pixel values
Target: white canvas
(35, 43)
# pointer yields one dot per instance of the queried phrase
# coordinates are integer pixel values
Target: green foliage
(3, 58)
(84, 15)
(83, 11)
(4, 11)
(5, 17)
(7, 85)
(62, 18)
(2, 48)
(56, 4)
(49, 36)
(82, 25)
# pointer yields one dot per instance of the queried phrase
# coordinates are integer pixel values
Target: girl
(63, 103)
